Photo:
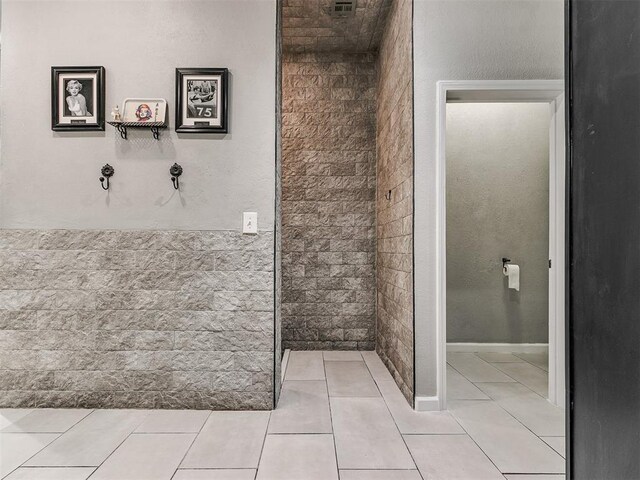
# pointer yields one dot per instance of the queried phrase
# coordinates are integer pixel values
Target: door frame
(547, 91)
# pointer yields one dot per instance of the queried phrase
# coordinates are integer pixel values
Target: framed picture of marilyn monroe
(77, 99)
(201, 100)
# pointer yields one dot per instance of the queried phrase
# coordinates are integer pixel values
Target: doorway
(509, 330)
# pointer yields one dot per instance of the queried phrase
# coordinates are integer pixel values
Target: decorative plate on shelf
(144, 110)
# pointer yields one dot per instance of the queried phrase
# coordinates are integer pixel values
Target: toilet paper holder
(505, 260)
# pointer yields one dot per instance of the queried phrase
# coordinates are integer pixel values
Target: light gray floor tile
(305, 366)
(509, 445)
(173, 421)
(557, 443)
(51, 473)
(536, 413)
(380, 475)
(540, 360)
(350, 379)
(528, 375)
(17, 448)
(366, 435)
(459, 388)
(217, 474)
(146, 456)
(295, 457)
(411, 422)
(377, 368)
(48, 420)
(476, 369)
(535, 477)
(498, 357)
(91, 441)
(342, 356)
(303, 408)
(11, 415)
(229, 440)
(450, 457)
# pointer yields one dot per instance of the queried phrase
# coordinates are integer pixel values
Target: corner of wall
(394, 198)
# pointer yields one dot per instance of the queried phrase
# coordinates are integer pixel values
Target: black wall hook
(107, 171)
(388, 195)
(175, 171)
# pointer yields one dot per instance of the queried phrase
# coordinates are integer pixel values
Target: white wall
(50, 180)
(465, 40)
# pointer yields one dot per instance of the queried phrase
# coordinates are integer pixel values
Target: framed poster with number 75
(202, 100)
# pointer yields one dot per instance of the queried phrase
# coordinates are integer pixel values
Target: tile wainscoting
(144, 319)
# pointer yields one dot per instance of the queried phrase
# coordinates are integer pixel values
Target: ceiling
(307, 26)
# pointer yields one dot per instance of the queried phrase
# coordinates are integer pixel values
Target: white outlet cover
(250, 222)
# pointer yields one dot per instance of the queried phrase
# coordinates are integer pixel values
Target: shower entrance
(549, 97)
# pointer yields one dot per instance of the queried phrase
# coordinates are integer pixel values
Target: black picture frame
(202, 100)
(87, 114)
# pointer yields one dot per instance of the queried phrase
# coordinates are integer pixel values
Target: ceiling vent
(343, 8)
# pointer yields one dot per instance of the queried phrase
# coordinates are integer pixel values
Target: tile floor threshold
(340, 417)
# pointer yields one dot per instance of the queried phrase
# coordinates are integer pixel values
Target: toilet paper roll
(513, 272)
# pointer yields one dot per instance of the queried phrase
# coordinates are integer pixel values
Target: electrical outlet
(250, 222)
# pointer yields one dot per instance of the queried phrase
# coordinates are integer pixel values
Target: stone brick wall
(144, 319)
(394, 337)
(328, 201)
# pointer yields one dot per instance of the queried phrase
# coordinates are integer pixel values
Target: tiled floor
(340, 416)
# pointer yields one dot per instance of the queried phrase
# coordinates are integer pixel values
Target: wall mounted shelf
(122, 127)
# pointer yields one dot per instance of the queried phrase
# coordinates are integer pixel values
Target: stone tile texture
(328, 201)
(308, 26)
(144, 319)
(394, 238)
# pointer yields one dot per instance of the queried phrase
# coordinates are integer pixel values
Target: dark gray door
(604, 239)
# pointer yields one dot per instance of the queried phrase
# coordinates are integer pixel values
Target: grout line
(490, 365)
(472, 383)
(517, 381)
(527, 428)
(264, 441)
(298, 433)
(490, 400)
(333, 430)
(476, 443)
(191, 445)
(394, 421)
(45, 446)
(512, 416)
(533, 364)
(90, 411)
(317, 380)
(434, 434)
(52, 433)
(120, 444)
(215, 469)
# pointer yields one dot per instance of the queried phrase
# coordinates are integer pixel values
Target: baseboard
(498, 347)
(427, 404)
(283, 365)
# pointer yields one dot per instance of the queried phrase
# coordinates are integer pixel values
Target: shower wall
(394, 339)
(328, 201)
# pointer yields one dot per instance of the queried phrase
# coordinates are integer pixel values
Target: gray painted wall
(465, 40)
(497, 206)
(96, 309)
(50, 180)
